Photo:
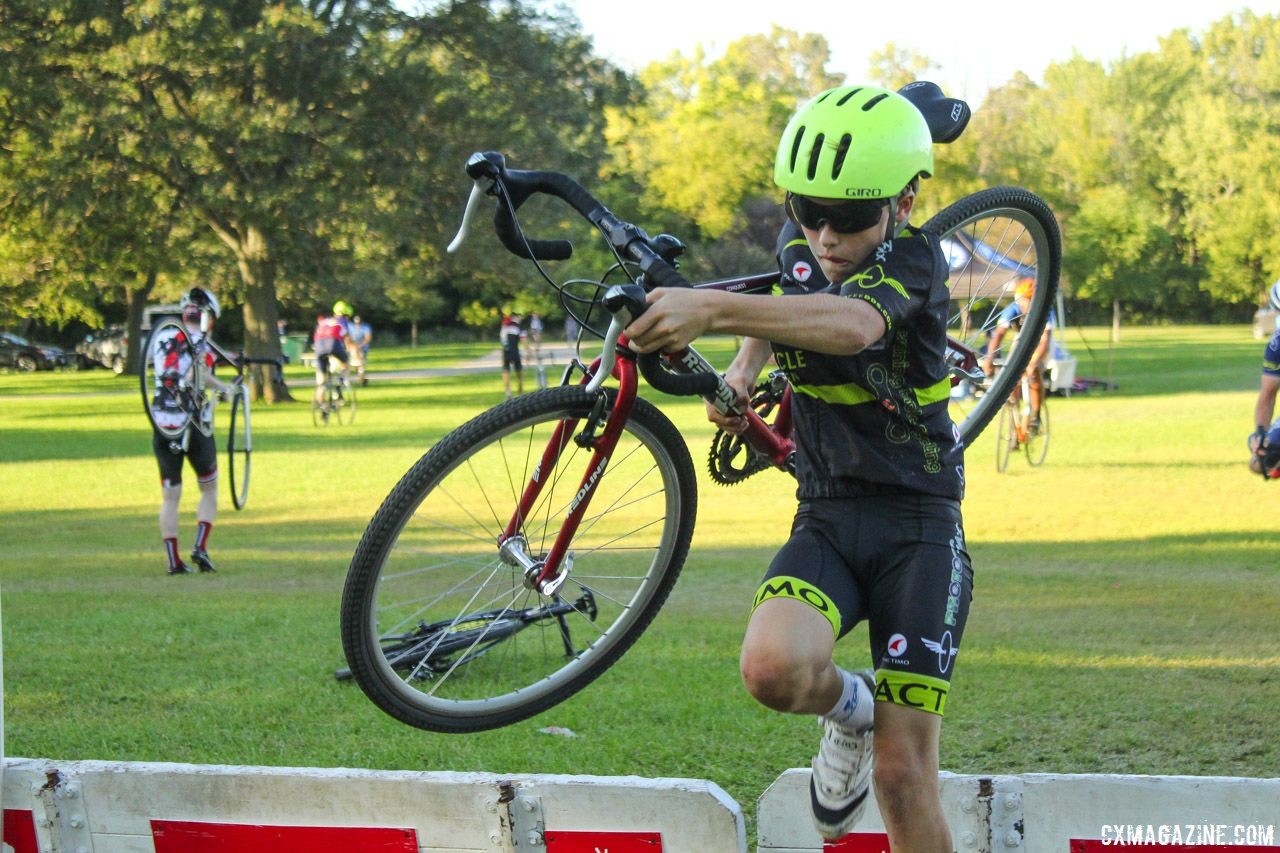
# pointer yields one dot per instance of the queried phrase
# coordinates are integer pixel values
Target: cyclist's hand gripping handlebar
(626, 302)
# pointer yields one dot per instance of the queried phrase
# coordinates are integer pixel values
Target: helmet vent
(814, 154)
(844, 100)
(842, 151)
(871, 103)
(795, 148)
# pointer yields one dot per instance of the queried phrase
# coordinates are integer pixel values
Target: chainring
(732, 460)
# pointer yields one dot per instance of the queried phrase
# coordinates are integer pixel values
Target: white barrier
(123, 807)
(1049, 813)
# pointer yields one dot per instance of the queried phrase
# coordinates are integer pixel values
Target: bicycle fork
(549, 574)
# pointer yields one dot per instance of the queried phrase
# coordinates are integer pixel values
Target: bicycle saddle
(946, 117)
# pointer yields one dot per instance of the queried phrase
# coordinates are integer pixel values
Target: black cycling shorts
(898, 561)
(511, 358)
(201, 452)
(327, 347)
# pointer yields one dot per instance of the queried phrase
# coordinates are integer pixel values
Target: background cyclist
(1264, 443)
(877, 534)
(172, 355)
(1011, 318)
(509, 335)
(331, 338)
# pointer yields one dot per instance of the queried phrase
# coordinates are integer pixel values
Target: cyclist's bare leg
(170, 497)
(322, 369)
(207, 508)
(1035, 379)
(906, 778)
(786, 658)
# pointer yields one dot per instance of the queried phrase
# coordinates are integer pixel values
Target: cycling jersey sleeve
(1271, 355)
(796, 262)
(898, 279)
(1010, 315)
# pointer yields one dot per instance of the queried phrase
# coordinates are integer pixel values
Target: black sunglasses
(846, 217)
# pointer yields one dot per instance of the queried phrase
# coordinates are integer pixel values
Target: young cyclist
(509, 335)
(877, 534)
(331, 336)
(1011, 318)
(173, 356)
(1264, 443)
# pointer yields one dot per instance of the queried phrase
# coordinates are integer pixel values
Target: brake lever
(473, 203)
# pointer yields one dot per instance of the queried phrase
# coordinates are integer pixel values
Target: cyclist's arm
(206, 374)
(741, 377)
(819, 322)
(1265, 408)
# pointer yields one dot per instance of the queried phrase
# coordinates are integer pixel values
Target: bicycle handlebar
(513, 187)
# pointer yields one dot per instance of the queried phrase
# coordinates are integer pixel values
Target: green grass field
(1124, 620)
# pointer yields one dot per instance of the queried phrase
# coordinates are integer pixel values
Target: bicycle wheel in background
(1006, 437)
(1037, 444)
(992, 239)
(344, 402)
(440, 630)
(170, 411)
(239, 447)
(321, 408)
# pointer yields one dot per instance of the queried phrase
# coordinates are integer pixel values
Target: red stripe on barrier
(604, 842)
(20, 831)
(177, 836)
(1093, 845)
(859, 842)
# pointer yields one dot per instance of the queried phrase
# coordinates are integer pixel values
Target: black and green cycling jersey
(876, 422)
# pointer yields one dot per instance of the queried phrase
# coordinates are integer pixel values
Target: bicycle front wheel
(345, 402)
(322, 407)
(992, 239)
(1037, 444)
(239, 447)
(1006, 437)
(170, 408)
(440, 630)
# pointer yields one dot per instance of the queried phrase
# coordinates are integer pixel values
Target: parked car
(17, 353)
(106, 347)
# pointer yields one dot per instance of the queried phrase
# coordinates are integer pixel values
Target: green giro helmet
(342, 308)
(853, 142)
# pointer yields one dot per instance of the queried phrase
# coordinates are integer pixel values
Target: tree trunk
(261, 337)
(1115, 321)
(413, 333)
(137, 298)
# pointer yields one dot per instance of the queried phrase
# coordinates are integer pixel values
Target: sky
(977, 45)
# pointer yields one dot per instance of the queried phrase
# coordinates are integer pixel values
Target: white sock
(856, 706)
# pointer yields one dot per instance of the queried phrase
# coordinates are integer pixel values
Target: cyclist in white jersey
(172, 357)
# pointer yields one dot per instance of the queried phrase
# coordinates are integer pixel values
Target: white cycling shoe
(841, 778)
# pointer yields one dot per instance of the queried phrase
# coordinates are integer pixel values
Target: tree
(246, 110)
(702, 141)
